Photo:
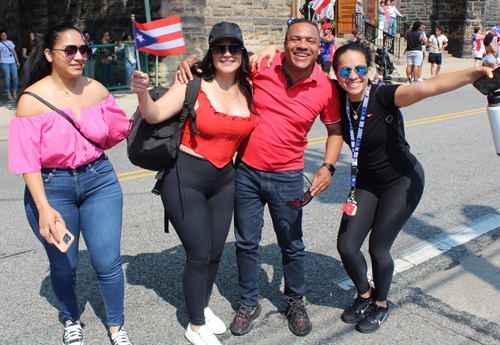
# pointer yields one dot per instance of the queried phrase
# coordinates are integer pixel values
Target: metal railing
(401, 26)
(112, 65)
(391, 43)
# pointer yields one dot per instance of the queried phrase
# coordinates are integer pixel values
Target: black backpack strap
(395, 121)
(62, 114)
(192, 90)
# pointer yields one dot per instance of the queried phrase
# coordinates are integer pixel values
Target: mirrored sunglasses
(299, 202)
(70, 51)
(233, 49)
(360, 70)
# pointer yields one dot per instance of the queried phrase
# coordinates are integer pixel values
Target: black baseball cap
(225, 30)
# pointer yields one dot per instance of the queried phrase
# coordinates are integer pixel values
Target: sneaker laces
(374, 312)
(297, 309)
(121, 337)
(354, 308)
(207, 336)
(244, 312)
(72, 333)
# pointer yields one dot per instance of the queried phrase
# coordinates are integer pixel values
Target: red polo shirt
(278, 139)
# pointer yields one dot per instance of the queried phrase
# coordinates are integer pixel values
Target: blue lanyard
(356, 143)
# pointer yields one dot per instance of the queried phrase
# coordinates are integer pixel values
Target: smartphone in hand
(487, 85)
(66, 238)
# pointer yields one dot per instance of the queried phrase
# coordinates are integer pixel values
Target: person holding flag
(269, 168)
(198, 190)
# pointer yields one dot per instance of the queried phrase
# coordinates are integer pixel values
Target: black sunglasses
(299, 202)
(234, 49)
(70, 51)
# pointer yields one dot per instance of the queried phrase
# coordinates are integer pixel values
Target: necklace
(355, 117)
(228, 90)
(66, 93)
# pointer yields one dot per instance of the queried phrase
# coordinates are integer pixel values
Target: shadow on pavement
(162, 273)
(87, 287)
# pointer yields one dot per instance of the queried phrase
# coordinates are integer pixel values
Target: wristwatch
(330, 167)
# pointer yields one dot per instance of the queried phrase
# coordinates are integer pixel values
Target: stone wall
(262, 21)
(458, 17)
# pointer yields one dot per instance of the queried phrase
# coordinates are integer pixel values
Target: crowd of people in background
(101, 60)
(485, 49)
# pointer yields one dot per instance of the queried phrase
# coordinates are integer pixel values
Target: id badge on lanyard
(351, 206)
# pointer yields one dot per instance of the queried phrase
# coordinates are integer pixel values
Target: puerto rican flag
(321, 7)
(496, 30)
(161, 37)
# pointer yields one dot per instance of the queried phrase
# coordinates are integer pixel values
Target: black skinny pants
(199, 201)
(384, 212)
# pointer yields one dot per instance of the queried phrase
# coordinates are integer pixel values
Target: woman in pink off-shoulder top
(69, 179)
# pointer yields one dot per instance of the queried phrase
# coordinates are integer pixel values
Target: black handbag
(153, 147)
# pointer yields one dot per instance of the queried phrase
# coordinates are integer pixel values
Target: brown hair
(487, 39)
(27, 42)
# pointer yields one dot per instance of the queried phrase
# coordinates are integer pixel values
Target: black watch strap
(330, 167)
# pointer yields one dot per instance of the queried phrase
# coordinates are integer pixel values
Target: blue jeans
(89, 198)
(9, 71)
(253, 190)
(392, 27)
(128, 71)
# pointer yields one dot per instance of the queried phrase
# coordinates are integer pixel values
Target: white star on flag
(139, 38)
(160, 37)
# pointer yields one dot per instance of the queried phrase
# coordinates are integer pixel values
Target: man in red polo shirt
(289, 94)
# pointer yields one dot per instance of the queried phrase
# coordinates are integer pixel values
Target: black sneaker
(73, 334)
(242, 321)
(375, 316)
(298, 321)
(356, 311)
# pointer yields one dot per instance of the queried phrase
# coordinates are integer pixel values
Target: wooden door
(372, 8)
(345, 16)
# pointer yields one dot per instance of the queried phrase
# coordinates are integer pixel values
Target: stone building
(458, 17)
(262, 21)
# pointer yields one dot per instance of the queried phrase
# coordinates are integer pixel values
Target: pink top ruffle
(48, 140)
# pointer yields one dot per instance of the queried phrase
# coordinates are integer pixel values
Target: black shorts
(326, 66)
(435, 58)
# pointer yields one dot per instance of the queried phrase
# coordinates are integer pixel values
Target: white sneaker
(213, 322)
(73, 334)
(121, 337)
(419, 79)
(203, 337)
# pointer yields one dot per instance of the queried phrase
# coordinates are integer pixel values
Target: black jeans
(199, 201)
(384, 212)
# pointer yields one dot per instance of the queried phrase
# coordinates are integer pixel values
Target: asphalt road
(462, 184)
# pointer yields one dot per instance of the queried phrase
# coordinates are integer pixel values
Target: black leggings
(384, 211)
(199, 200)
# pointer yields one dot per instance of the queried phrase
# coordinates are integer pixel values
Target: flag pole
(148, 19)
(138, 64)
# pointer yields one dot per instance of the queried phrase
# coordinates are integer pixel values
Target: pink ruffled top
(48, 140)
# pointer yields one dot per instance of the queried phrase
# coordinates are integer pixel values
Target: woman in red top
(198, 193)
